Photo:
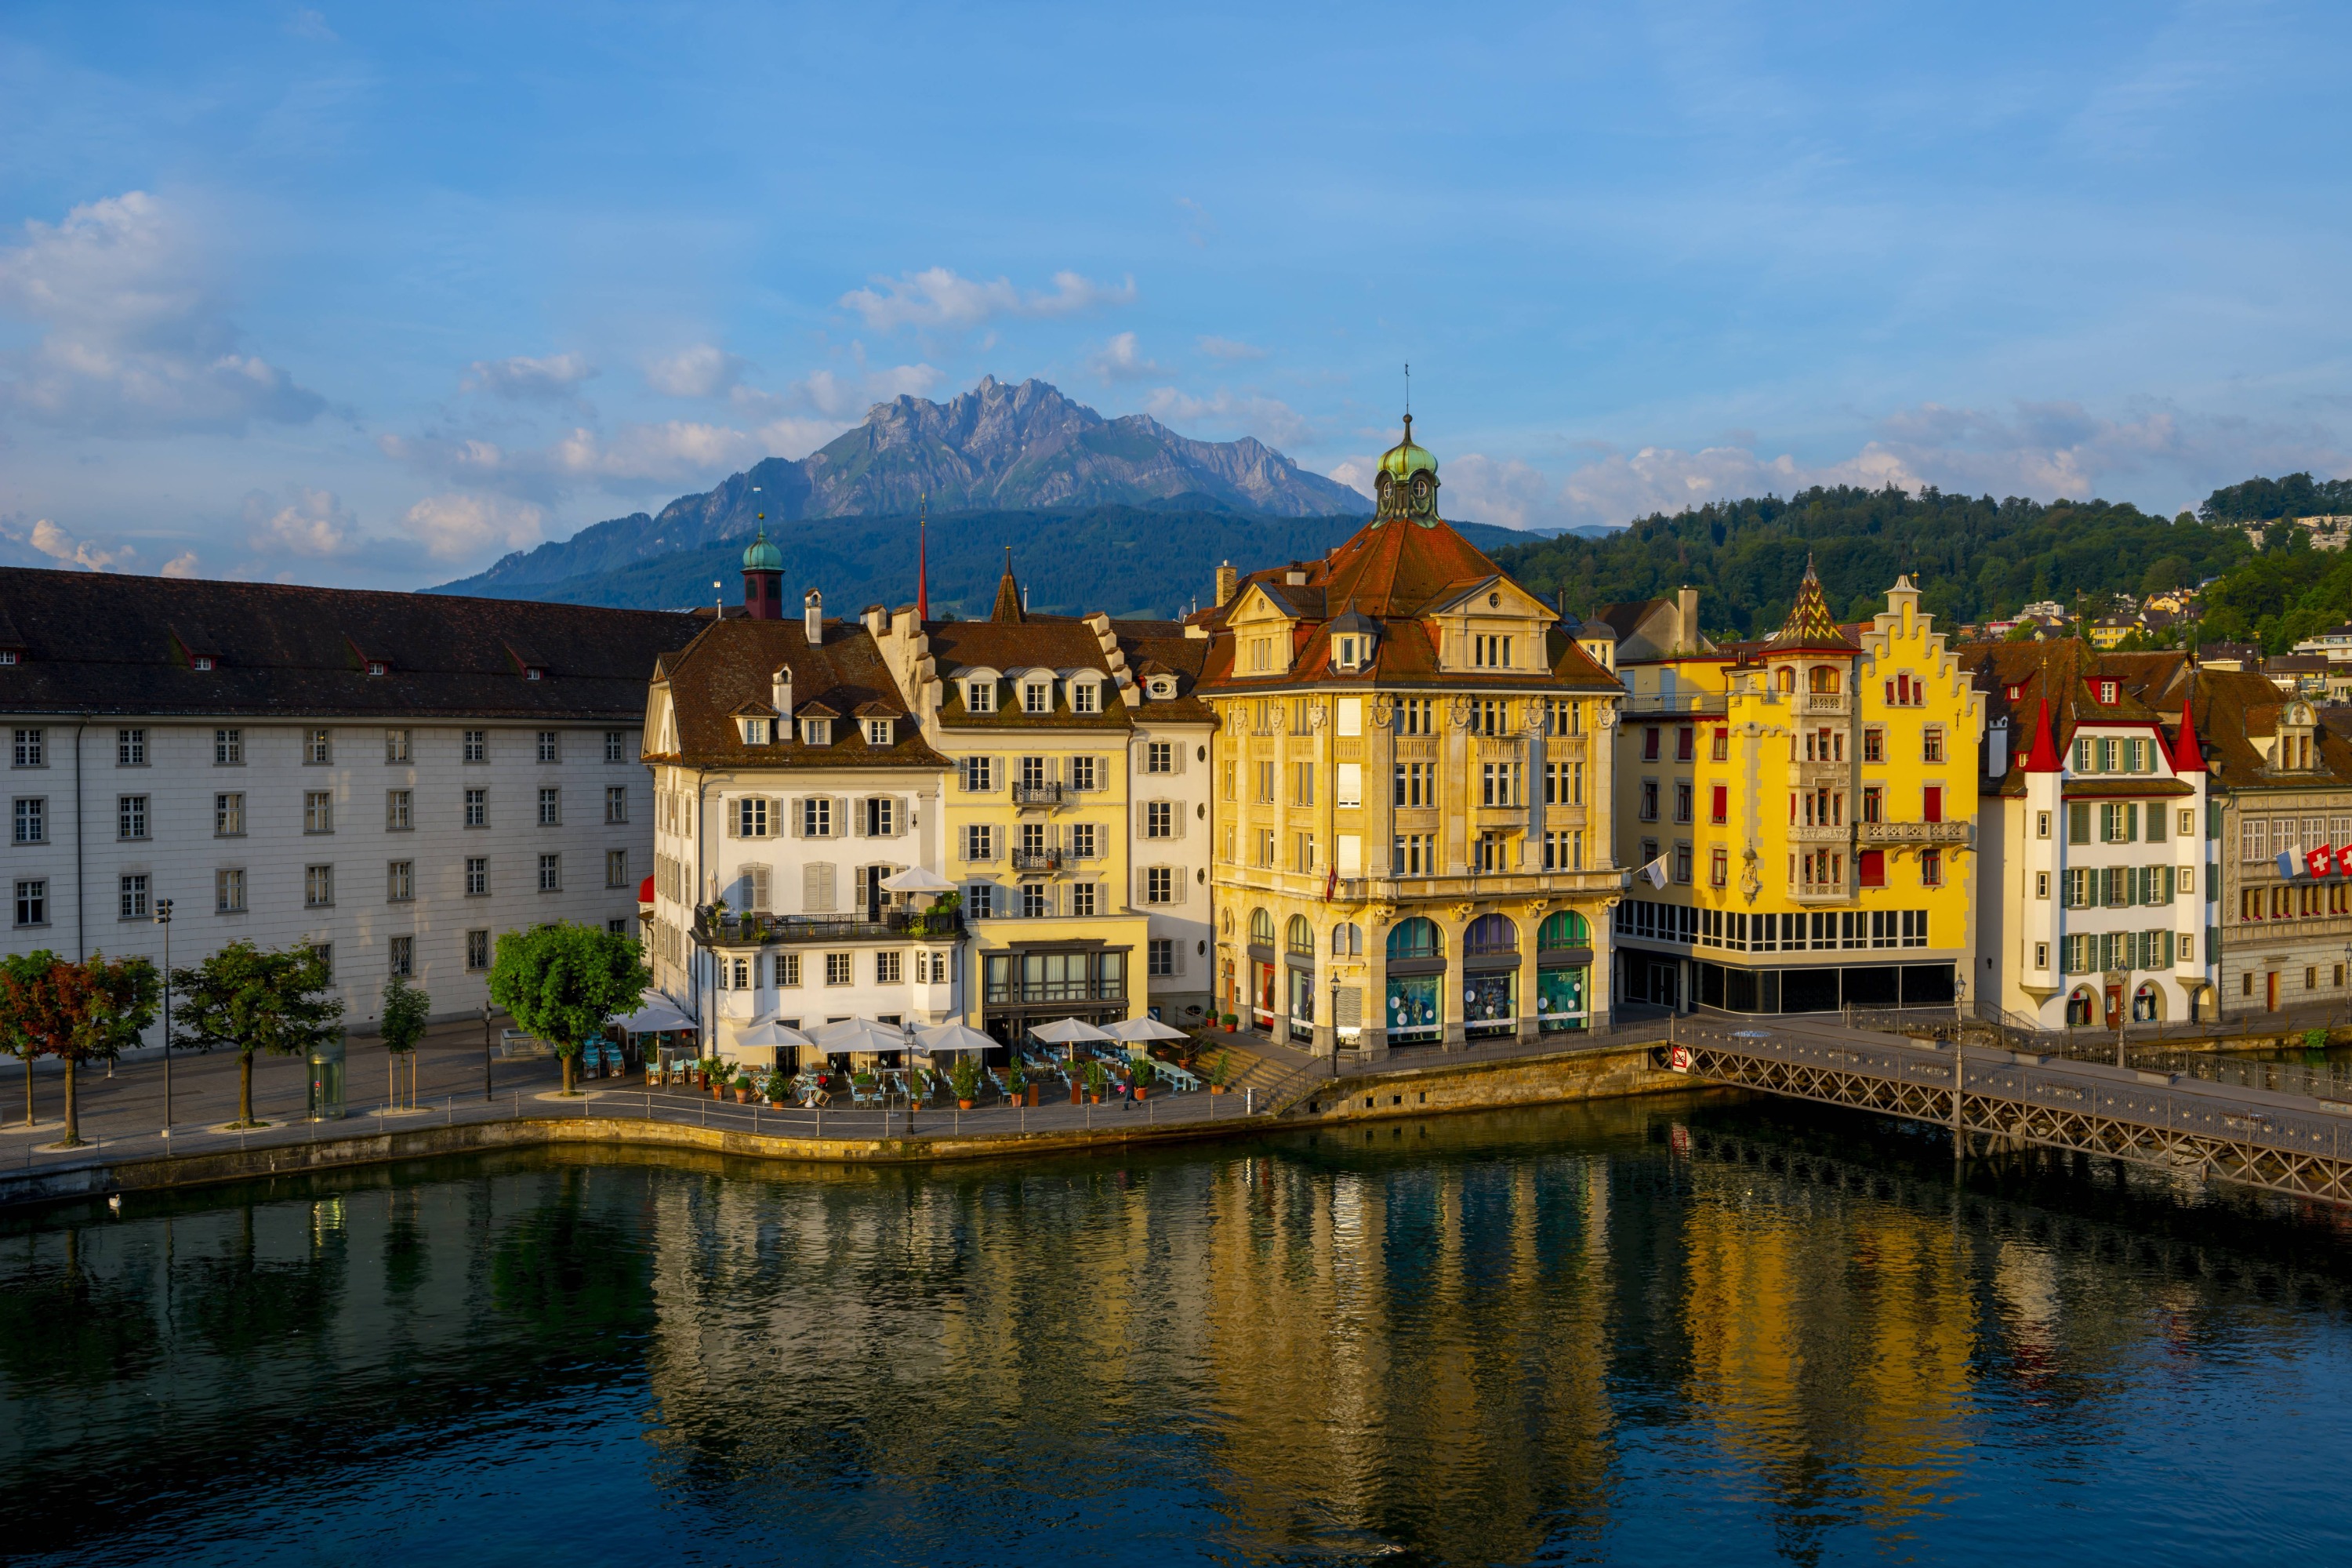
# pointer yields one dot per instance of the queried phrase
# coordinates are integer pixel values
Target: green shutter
(2078, 822)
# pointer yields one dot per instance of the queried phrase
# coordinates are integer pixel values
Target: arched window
(1346, 940)
(1821, 678)
(1788, 681)
(1298, 936)
(1414, 938)
(1491, 934)
(1261, 928)
(1566, 928)
(2079, 1008)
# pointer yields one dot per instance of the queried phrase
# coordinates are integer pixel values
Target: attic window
(377, 667)
(979, 696)
(878, 732)
(2013, 692)
(755, 732)
(816, 731)
(2108, 689)
(7, 656)
(201, 661)
(1163, 687)
(534, 673)
(1085, 697)
(1037, 697)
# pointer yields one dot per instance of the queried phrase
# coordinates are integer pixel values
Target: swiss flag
(2344, 860)
(2317, 860)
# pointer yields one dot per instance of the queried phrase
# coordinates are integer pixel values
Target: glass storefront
(1559, 999)
(1302, 1005)
(1412, 1013)
(1489, 1002)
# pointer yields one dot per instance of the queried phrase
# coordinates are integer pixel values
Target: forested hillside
(1972, 557)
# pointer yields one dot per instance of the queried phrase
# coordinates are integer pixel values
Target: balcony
(1039, 859)
(732, 930)
(1046, 795)
(1818, 834)
(1819, 893)
(1701, 704)
(1825, 704)
(1913, 832)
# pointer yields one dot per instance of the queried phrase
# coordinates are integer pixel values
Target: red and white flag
(2317, 860)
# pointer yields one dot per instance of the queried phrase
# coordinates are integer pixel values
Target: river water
(1671, 1329)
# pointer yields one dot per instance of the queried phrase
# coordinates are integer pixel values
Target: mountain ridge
(995, 447)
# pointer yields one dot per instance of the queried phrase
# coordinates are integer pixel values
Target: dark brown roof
(2237, 711)
(1160, 647)
(94, 642)
(734, 662)
(1053, 642)
(2066, 673)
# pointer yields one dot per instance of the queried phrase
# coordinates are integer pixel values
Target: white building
(393, 778)
(789, 782)
(2099, 837)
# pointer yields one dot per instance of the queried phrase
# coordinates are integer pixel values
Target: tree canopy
(247, 999)
(563, 982)
(2261, 500)
(1971, 557)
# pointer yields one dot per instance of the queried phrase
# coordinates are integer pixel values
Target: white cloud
(458, 527)
(308, 24)
(704, 369)
(48, 539)
(521, 377)
(184, 564)
(315, 523)
(133, 338)
(1230, 349)
(848, 396)
(1269, 419)
(1120, 360)
(938, 297)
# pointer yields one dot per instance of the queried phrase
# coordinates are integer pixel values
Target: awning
(1068, 1032)
(1140, 1029)
(941, 1039)
(658, 1015)
(916, 880)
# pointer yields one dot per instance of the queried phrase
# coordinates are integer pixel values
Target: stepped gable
(1059, 643)
(1157, 647)
(99, 643)
(729, 670)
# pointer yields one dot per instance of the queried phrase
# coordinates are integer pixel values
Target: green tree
(79, 1012)
(248, 999)
(14, 1038)
(562, 982)
(406, 1009)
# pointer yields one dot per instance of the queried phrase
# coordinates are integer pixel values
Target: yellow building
(1800, 811)
(1075, 807)
(1411, 781)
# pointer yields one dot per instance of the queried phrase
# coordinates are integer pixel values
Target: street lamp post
(163, 919)
(486, 1051)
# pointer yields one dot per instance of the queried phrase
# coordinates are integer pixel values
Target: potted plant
(1219, 1070)
(1075, 1075)
(864, 1081)
(1233, 1021)
(965, 1076)
(1095, 1079)
(1138, 1074)
(742, 1088)
(1017, 1080)
(777, 1088)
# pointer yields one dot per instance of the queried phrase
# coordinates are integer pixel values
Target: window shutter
(1175, 884)
(899, 814)
(733, 820)
(777, 806)
(1142, 886)
(855, 826)
(813, 900)
(1176, 818)
(792, 816)
(840, 817)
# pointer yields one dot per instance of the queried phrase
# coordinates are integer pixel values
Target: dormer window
(1086, 697)
(816, 731)
(880, 732)
(534, 673)
(979, 696)
(755, 732)
(1162, 689)
(1347, 653)
(1037, 697)
(2013, 692)
(2108, 691)
(7, 656)
(201, 661)
(1490, 652)
(377, 667)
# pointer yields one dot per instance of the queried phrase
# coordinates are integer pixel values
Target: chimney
(779, 693)
(1296, 575)
(1227, 581)
(1997, 750)
(1686, 620)
(812, 619)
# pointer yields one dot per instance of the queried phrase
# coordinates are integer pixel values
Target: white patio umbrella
(658, 1013)
(858, 1035)
(1142, 1030)
(916, 880)
(940, 1039)
(1068, 1032)
(772, 1034)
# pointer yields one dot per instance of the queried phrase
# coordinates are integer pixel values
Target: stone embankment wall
(1489, 1086)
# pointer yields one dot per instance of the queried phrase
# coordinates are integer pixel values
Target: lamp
(163, 919)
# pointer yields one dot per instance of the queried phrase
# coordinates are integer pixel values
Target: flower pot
(1216, 1088)
(742, 1097)
(1032, 1095)
(1093, 1099)
(963, 1105)
(1140, 1092)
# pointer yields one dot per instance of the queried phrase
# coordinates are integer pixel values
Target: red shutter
(1934, 803)
(1871, 864)
(1722, 804)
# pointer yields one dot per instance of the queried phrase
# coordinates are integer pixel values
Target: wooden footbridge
(1993, 1099)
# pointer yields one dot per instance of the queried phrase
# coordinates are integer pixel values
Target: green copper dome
(763, 557)
(1405, 460)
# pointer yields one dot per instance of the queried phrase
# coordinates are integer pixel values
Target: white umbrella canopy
(658, 1013)
(941, 1038)
(1137, 1030)
(1068, 1032)
(772, 1034)
(916, 880)
(852, 1034)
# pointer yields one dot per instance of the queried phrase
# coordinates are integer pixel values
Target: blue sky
(372, 295)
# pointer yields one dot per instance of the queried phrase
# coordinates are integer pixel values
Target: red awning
(646, 892)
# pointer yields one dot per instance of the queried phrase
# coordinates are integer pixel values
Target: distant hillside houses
(2329, 531)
